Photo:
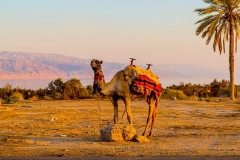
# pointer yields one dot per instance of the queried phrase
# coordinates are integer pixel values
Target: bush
(168, 93)
(33, 98)
(16, 96)
(208, 99)
(47, 98)
(57, 95)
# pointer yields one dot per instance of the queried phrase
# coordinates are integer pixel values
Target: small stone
(63, 135)
(139, 138)
(53, 119)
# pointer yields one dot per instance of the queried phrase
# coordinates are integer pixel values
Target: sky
(152, 31)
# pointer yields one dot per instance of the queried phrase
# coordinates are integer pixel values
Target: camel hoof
(144, 134)
(150, 136)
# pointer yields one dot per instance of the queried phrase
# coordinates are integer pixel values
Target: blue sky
(152, 31)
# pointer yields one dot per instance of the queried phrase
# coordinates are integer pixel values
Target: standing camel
(120, 88)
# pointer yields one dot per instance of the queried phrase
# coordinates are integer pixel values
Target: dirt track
(71, 129)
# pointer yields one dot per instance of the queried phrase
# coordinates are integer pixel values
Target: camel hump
(133, 71)
(130, 74)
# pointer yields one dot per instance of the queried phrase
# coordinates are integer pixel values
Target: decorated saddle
(142, 81)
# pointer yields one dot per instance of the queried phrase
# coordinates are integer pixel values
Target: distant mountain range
(21, 65)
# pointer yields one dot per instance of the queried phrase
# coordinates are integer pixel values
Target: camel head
(96, 65)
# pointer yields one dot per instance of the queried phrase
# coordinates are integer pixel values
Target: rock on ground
(117, 132)
(139, 138)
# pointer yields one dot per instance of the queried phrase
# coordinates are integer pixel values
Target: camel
(120, 88)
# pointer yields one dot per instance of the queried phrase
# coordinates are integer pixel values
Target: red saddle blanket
(144, 85)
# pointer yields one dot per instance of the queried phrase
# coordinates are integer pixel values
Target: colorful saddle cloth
(148, 73)
(143, 81)
(144, 85)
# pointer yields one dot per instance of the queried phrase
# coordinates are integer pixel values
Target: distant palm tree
(223, 26)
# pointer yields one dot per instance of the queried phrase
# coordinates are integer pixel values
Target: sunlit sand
(72, 129)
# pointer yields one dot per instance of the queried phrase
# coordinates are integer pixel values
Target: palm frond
(221, 3)
(205, 33)
(206, 19)
(237, 3)
(218, 32)
(209, 10)
(203, 25)
(226, 31)
(223, 44)
(211, 30)
(218, 25)
(237, 25)
(220, 44)
(212, 2)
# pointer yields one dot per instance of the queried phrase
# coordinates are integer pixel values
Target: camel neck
(98, 76)
(97, 71)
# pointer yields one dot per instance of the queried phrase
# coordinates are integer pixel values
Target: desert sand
(72, 129)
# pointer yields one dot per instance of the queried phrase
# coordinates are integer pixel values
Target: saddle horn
(132, 59)
(149, 65)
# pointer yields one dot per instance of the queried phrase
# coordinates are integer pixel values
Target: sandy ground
(72, 129)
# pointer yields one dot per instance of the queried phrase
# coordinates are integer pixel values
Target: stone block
(117, 133)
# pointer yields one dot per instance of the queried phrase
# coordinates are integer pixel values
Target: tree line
(214, 89)
(56, 89)
(73, 89)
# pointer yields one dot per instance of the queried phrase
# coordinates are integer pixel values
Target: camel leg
(151, 111)
(115, 108)
(153, 121)
(128, 109)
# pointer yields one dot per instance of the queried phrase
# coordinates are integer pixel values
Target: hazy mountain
(20, 65)
(193, 70)
(14, 65)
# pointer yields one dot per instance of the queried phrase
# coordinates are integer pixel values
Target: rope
(99, 106)
(100, 111)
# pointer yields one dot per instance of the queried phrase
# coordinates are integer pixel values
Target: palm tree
(222, 23)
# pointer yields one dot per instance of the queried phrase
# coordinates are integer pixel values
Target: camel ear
(101, 62)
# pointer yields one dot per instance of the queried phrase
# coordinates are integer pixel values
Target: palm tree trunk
(231, 61)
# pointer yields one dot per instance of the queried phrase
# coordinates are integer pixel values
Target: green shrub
(168, 93)
(208, 99)
(57, 95)
(47, 98)
(16, 96)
